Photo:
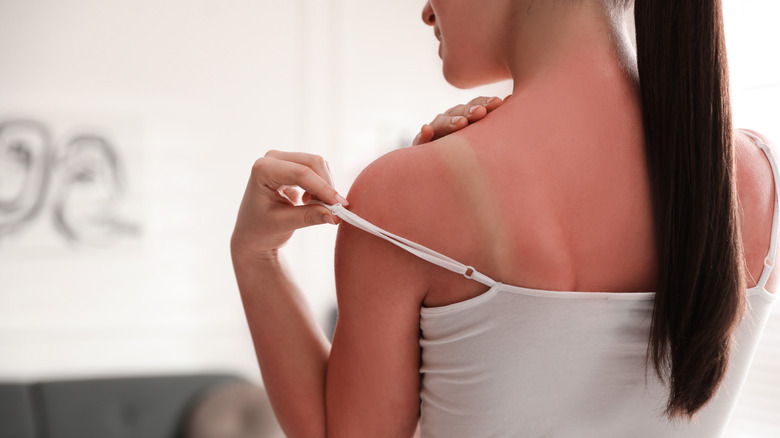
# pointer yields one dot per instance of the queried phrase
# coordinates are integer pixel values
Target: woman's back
(554, 208)
(539, 359)
(553, 194)
(523, 359)
(556, 181)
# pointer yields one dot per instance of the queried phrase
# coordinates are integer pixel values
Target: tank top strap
(414, 248)
(769, 260)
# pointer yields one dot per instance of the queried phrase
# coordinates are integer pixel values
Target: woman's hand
(457, 118)
(276, 200)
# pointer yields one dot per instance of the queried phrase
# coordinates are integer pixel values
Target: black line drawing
(25, 170)
(90, 188)
(86, 183)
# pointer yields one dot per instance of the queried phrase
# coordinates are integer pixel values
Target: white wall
(192, 92)
(204, 88)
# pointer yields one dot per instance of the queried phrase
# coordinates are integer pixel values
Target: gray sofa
(182, 406)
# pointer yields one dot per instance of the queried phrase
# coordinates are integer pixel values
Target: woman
(586, 188)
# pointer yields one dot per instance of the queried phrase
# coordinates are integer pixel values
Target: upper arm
(761, 195)
(373, 380)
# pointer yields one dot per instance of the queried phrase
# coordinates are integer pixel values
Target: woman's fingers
(315, 162)
(304, 216)
(318, 164)
(272, 208)
(490, 103)
(448, 122)
(457, 118)
(493, 103)
(274, 174)
(424, 136)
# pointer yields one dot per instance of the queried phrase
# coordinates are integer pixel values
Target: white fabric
(520, 362)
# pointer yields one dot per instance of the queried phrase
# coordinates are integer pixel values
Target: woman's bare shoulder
(756, 187)
(405, 193)
(418, 192)
(410, 192)
(396, 183)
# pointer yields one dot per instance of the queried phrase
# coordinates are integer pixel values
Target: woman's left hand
(276, 202)
(457, 118)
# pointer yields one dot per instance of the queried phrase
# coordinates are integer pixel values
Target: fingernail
(342, 200)
(327, 218)
(473, 108)
(455, 120)
(491, 100)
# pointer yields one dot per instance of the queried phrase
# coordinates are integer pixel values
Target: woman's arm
(373, 378)
(372, 371)
(373, 368)
(291, 349)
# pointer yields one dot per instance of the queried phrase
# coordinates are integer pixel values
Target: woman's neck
(583, 85)
(568, 46)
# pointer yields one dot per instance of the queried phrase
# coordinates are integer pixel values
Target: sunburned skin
(561, 164)
(555, 188)
(567, 151)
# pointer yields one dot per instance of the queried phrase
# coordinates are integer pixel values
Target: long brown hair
(686, 111)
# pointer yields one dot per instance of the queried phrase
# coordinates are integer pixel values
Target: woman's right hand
(278, 201)
(457, 118)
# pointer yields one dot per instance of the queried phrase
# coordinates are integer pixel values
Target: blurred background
(127, 133)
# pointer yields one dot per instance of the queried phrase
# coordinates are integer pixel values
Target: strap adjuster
(469, 272)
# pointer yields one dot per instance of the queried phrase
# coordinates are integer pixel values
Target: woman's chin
(462, 80)
(456, 78)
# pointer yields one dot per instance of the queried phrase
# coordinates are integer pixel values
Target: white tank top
(520, 362)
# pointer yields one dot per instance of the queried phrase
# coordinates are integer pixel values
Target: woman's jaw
(483, 44)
